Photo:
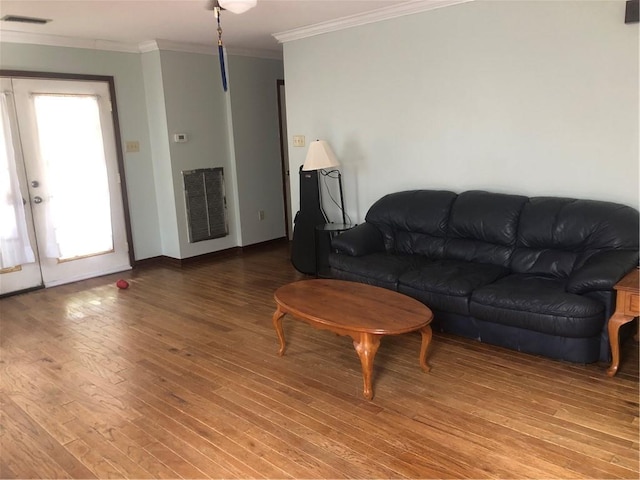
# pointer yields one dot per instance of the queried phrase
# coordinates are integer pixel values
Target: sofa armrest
(360, 240)
(602, 271)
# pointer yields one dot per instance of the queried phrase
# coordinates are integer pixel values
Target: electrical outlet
(298, 140)
(260, 215)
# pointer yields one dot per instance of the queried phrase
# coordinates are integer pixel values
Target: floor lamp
(321, 157)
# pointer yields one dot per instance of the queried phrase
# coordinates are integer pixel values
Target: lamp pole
(344, 219)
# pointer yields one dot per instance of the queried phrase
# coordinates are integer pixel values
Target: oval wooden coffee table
(363, 312)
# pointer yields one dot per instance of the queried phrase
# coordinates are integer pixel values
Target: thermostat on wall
(180, 137)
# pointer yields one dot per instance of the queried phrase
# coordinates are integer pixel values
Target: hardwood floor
(179, 376)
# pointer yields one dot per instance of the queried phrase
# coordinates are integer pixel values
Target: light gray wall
(536, 98)
(161, 176)
(160, 93)
(196, 105)
(126, 69)
(254, 108)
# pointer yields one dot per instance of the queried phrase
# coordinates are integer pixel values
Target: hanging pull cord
(221, 50)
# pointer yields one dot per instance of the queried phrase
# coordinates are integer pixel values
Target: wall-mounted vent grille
(21, 19)
(206, 204)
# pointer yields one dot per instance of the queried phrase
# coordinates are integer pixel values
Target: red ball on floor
(122, 284)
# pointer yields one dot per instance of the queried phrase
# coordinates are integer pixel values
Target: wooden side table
(627, 306)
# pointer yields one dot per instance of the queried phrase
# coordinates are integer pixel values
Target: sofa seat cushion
(538, 303)
(381, 269)
(447, 284)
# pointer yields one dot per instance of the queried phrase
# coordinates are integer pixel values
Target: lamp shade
(320, 156)
(237, 6)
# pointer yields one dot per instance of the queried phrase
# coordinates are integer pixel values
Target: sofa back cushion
(483, 227)
(558, 235)
(413, 221)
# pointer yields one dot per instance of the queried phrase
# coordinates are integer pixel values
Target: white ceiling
(135, 22)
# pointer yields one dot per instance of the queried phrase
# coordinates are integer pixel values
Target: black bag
(303, 250)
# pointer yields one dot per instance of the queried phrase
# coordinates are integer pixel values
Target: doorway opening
(284, 158)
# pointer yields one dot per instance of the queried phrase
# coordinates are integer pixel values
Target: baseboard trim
(164, 261)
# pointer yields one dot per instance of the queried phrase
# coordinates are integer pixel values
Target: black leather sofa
(531, 274)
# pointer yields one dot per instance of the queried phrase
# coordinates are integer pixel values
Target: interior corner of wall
(233, 176)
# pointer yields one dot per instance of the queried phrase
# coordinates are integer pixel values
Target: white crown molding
(10, 36)
(153, 45)
(176, 47)
(255, 52)
(148, 46)
(386, 13)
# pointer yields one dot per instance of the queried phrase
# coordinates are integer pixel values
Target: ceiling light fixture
(237, 6)
(234, 6)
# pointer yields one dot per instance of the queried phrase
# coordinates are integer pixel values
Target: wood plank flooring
(179, 377)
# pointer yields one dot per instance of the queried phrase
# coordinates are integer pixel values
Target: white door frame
(284, 159)
(109, 81)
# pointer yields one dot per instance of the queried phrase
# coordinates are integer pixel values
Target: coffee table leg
(277, 324)
(367, 346)
(426, 340)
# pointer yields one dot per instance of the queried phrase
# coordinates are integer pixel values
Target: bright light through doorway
(72, 151)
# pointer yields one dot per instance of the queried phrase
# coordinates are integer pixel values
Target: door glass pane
(77, 187)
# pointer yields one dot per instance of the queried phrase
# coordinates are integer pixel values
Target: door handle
(37, 199)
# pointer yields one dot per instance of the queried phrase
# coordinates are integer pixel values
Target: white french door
(65, 167)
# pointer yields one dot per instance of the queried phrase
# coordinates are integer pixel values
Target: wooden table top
(630, 282)
(354, 306)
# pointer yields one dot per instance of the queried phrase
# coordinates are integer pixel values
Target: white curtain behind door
(15, 248)
(72, 155)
